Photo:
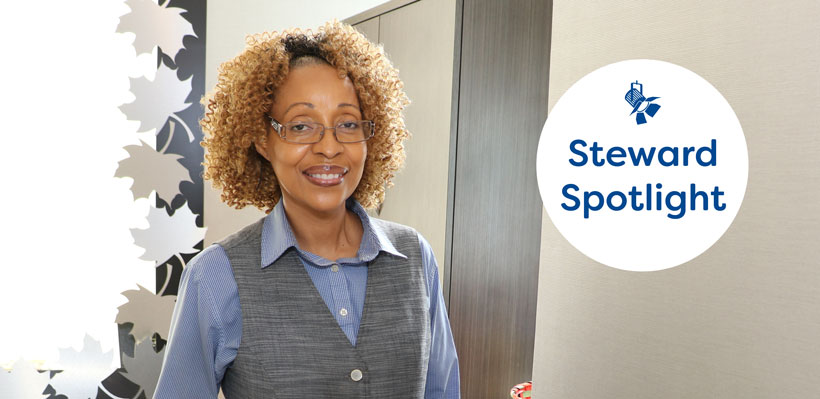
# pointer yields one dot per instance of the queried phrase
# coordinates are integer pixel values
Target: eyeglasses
(312, 132)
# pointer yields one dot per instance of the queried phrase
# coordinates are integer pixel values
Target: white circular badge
(642, 165)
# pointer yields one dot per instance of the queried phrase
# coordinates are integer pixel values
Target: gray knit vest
(292, 346)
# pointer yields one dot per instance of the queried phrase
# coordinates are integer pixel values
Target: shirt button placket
(341, 296)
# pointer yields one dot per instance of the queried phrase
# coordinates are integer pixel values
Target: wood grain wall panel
(505, 48)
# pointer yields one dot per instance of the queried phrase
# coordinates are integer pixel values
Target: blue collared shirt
(206, 328)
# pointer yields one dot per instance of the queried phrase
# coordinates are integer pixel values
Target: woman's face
(316, 177)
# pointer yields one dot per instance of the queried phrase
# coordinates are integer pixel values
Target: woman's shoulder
(390, 227)
(399, 234)
(211, 261)
(242, 235)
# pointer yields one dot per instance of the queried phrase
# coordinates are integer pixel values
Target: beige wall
(418, 39)
(743, 319)
(229, 21)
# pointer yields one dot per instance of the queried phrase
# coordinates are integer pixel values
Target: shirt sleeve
(442, 370)
(205, 329)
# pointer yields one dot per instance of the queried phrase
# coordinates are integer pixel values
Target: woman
(316, 299)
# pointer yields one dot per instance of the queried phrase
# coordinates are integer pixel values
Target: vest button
(356, 375)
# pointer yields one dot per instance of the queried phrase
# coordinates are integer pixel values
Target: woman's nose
(328, 145)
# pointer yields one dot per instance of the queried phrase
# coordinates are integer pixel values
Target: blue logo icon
(640, 104)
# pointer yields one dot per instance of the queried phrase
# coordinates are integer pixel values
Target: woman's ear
(262, 150)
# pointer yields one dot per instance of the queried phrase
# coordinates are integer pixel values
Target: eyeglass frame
(278, 127)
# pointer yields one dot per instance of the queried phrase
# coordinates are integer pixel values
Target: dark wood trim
(494, 231)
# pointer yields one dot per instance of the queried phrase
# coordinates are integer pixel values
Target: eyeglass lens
(311, 132)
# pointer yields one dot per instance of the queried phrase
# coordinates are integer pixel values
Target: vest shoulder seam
(242, 236)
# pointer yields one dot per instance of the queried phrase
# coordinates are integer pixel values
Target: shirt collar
(277, 237)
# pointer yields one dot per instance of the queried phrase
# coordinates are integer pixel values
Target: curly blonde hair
(235, 111)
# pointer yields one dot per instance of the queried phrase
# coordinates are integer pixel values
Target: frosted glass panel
(68, 250)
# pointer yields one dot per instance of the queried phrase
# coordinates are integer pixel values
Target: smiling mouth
(325, 176)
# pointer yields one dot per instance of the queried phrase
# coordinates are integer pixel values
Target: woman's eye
(349, 125)
(300, 128)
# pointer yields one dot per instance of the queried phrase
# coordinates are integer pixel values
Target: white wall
(229, 21)
(743, 319)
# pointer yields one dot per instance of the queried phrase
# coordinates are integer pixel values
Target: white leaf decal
(148, 312)
(82, 371)
(152, 170)
(158, 100)
(155, 25)
(23, 381)
(168, 235)
(143, 369)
